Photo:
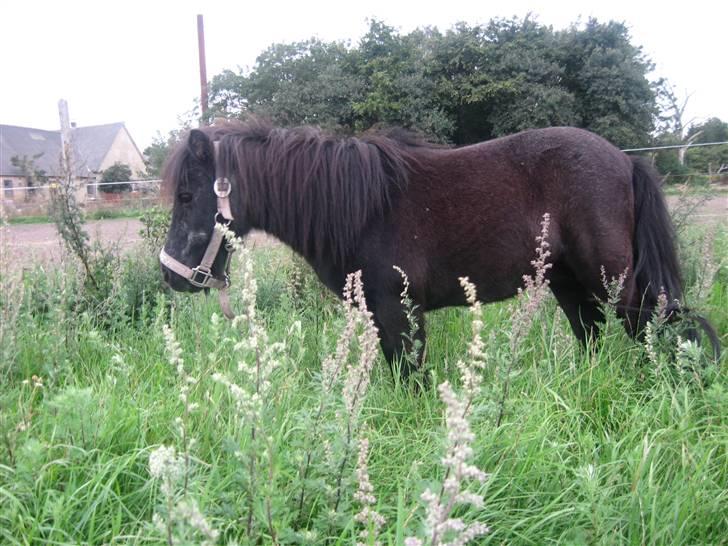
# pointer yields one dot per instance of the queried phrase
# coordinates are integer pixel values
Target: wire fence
(130, 195)
(152, 183)
(141, 194)
(675, 146)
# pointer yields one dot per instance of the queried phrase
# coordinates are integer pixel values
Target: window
(8, 189)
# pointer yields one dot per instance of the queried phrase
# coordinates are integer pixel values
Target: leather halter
(202, 276)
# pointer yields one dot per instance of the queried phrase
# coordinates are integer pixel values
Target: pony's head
(190, 184)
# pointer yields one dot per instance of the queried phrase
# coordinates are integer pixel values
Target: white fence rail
(18, 201)
(153, 183)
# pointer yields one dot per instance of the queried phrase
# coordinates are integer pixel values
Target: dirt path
(39, 242)
(714, 210)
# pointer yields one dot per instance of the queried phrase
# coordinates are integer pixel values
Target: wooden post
(66, 149)
(203, 70)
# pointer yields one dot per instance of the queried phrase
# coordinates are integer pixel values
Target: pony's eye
(185, 197)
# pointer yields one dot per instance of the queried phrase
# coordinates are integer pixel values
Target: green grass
(93, 215)
(596, 447)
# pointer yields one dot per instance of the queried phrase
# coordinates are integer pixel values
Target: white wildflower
(613, 286)
(188, 512)
(471, 372)
(174, 352)
(358, 374)
(166, 465)
(441, 528)
(367, 516)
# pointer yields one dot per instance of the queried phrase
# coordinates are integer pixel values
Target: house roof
(90, 146)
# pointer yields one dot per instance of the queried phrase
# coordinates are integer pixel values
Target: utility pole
(203, 69)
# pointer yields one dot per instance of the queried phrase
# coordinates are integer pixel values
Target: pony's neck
(283, 207)
(315, 192)
(318, 250)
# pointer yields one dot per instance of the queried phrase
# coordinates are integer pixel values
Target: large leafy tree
(308, 82)
(469, 84)
(502, 78)
(399, 89)
(608, 78)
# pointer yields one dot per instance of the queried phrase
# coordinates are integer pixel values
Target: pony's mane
(315, 191)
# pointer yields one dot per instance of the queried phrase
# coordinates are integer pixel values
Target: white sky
(136, 62)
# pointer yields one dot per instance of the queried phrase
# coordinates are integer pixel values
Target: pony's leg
(581, 310)
(391, 320)
(628, 307)
(578, 303)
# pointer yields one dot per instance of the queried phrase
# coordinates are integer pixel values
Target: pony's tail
(656, 263)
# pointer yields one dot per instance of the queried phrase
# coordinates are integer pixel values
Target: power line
(675, 146)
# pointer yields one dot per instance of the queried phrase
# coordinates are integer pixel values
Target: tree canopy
(467, 84)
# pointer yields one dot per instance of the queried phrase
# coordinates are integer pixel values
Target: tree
(155, 155)
(608, 78)
(470, 84)
(118, 172)
(309, 82)
(709, 159)
(398, 89)
(502, 78)
(684, 162)
(33, 175)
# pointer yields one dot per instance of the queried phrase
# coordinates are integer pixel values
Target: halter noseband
(202, 276)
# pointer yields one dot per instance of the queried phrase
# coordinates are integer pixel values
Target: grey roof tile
(90, 146)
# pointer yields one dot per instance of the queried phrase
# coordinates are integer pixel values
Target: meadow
(130, 415)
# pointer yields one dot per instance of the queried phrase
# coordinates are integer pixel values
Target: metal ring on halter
(222, 187)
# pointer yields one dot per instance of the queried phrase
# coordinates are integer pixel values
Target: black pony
(438, 213)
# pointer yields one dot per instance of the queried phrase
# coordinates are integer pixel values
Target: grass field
(133, 212)
(612, 445)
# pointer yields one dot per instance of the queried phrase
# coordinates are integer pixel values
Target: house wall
(10, 195)
(123, 150)
(19, 201)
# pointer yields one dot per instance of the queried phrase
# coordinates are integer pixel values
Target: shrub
(118, 172)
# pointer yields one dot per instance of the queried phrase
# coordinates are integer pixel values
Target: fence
(34, 200)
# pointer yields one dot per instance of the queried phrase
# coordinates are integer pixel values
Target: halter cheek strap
(202, 276)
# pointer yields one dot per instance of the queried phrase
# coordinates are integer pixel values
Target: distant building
(94, 149)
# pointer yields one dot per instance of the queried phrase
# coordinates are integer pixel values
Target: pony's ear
(201, 146)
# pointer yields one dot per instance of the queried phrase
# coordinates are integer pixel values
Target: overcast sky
(136, 61)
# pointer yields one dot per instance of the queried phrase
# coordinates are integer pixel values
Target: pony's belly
(491, 286)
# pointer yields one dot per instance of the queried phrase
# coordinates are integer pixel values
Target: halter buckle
(203, 272)
(220, 219)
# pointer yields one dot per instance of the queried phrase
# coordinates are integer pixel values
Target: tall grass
(111, 433)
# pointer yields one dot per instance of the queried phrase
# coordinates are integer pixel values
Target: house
(24, 150)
